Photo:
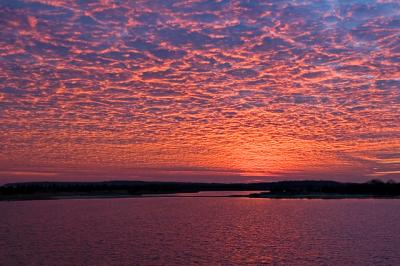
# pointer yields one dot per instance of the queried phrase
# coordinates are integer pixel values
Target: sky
(202, 90)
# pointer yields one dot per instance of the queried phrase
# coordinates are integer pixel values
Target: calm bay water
(200, 231)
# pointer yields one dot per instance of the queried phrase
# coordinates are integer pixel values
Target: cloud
(246, 86)
(272, 44)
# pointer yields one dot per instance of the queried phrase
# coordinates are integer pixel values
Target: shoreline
(306, 189)
(323, 196)
(250, 196)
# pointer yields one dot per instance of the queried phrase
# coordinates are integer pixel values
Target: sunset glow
(199, 90)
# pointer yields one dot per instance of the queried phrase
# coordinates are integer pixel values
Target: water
(200, 231)
(207, 194)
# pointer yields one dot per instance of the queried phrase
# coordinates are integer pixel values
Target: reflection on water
(200, 231)
(206, 194)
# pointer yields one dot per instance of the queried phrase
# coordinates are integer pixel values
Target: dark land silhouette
(282, 189)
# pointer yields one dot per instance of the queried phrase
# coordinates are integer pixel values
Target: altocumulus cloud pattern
(200, 90)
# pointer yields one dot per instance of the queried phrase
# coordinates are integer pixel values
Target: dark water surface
(200, 231)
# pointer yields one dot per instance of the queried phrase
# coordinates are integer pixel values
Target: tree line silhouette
(38, 190)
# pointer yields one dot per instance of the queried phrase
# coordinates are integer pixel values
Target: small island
(274, 190)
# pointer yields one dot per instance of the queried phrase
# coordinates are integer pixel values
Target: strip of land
(321, 196)
(124, 189)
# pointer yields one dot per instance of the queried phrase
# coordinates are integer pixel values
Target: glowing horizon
(199, 90)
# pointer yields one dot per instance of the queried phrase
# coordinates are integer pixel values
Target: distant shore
(255, 196)
(322, 196)
(308, 189)
(106, 196)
